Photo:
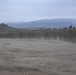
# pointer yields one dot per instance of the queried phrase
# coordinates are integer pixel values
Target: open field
(37, 57)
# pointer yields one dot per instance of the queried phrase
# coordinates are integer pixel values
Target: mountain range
(45, 23)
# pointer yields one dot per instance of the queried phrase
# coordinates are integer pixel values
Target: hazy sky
(28, 10)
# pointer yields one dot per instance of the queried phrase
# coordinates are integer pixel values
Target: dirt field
(37, 57)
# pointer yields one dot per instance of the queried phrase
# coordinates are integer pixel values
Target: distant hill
(45, 23)
(6, 28)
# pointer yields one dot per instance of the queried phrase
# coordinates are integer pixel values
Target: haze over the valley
(45, 23)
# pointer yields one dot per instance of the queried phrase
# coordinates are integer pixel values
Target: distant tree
(70, 27)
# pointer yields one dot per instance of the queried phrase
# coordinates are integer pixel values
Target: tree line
(66, 33)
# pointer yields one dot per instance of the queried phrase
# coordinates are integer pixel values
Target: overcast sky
(28, 10)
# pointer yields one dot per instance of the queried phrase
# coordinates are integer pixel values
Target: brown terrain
(37, 57)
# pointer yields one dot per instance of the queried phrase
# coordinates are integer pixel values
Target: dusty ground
(37, 57)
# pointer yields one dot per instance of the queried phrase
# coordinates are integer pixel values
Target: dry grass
(37, 57)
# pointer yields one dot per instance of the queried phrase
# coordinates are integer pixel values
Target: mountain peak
(3, 25)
